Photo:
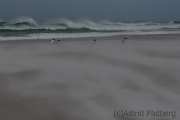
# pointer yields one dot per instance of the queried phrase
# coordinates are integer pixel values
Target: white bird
(94, 41)
(124, 40)
(58, 41)
(52, 41)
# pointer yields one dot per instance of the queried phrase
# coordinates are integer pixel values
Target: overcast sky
(113, 10)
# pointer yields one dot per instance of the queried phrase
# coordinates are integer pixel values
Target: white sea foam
(23, 19)
(28, 28)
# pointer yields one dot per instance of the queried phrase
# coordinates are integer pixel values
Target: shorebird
(124, 40)
(52, 41)
(94, 41)
(58, 41)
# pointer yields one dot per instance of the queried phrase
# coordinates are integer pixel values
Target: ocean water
(28, 28)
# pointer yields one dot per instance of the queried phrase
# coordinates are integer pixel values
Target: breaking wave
(28, 27)
(22, 21)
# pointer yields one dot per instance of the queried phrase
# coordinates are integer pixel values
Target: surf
(24, 27)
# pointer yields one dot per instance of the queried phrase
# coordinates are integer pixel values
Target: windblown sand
(78, 80)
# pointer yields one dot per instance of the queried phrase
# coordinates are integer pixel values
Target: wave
(170, 29)
(23, 20)
(10, 32)
(26, 26)
(59, 21)
(152, 23)
(105, 22)
(2, 22)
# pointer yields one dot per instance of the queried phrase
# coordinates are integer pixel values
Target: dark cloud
(113, 10)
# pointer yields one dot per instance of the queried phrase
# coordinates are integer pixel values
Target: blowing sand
(78, 80)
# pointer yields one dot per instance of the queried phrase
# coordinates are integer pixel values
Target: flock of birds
(94, 41)
(53, 40)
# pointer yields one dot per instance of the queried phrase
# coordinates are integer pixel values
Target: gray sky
(113, 10)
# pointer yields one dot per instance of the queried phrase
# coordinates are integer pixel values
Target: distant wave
(27, 21)
(23, 21)
(27, 27)
(2, 22)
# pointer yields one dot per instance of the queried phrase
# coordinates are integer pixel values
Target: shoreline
(116, 37)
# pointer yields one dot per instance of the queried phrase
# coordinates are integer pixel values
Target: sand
(78, 80)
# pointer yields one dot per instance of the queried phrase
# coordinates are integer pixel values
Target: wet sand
(78, 80)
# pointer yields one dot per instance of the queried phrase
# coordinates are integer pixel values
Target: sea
(28, 28)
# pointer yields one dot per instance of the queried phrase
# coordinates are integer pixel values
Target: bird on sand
(58, 41)
(124, 40)
(52, 41)
(94, 41)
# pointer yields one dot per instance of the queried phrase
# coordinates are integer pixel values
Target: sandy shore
(78, 80)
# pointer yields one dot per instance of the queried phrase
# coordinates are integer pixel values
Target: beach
(78, 80)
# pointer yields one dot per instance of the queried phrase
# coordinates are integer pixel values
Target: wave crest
(26, 26)
(86, 21)
(23, 20)
(105, 22)
(2, 22)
